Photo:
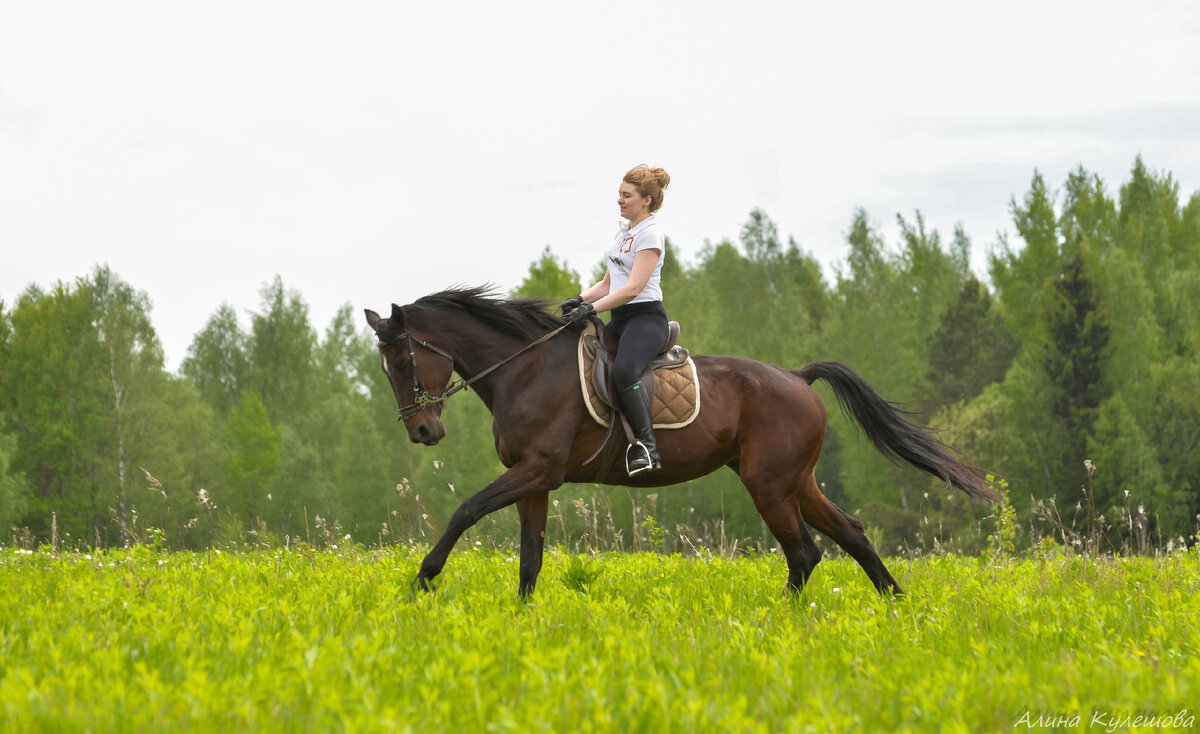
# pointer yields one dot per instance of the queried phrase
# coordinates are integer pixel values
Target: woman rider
(632, 290)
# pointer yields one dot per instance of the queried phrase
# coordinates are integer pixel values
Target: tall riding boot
(641, 456)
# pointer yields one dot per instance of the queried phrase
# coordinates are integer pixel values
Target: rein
(422, 399)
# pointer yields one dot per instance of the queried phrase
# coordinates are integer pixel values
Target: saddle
(671, 378)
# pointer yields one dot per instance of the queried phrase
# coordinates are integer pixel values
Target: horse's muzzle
(428, 435)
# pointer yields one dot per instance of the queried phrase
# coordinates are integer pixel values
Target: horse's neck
(474, 346)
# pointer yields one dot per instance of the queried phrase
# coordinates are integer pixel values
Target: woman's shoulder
(650, 236)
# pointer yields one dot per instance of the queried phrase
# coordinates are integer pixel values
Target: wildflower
(837, 589)
(202, 497)
(1087, 464)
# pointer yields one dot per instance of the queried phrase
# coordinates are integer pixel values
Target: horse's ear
(397, 317)
(372, 318)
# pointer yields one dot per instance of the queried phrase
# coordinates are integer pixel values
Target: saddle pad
(676, 401)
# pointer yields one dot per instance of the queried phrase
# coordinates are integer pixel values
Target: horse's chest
(502, 449)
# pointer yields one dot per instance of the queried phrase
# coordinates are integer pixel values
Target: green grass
(319, 641)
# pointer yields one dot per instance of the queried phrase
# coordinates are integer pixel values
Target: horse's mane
(523, 318)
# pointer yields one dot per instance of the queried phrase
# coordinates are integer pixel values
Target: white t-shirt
(629, 242)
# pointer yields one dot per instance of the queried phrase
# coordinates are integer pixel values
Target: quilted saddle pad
(676, 401)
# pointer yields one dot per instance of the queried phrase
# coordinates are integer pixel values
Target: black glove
(570, 305)
(586, 311)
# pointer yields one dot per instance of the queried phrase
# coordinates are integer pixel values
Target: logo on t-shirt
(627, 245)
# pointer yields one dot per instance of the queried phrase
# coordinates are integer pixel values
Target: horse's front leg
(524, 480)
(532, 511)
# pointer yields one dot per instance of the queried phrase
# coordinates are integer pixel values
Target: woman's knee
(625, 374)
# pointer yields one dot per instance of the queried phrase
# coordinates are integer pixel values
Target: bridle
(422, 399)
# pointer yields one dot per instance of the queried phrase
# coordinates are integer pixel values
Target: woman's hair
(649, 182)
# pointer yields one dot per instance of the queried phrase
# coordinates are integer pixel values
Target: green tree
(217, 363)
(1020, 276)
(971, 348)
(549, 278)
(54, 397)
(132, 361)
(281, 353)
(1074, 360)
(252, 442)
(14, 490)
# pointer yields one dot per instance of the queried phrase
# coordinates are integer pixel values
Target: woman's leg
(641, 339)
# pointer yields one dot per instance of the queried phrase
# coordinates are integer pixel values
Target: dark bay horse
(762, 421)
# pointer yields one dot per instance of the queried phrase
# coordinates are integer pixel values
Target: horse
(764, 422)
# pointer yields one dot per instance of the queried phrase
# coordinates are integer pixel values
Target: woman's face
(633, 206)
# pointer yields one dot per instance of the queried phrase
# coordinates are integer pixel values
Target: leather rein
(422, 399)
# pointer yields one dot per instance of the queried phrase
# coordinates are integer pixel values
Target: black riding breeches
(642, 328)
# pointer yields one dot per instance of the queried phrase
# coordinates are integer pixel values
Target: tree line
(1069, 372)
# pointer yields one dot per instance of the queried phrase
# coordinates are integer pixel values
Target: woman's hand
(570, 305)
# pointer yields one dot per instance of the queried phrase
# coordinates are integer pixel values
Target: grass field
(304, 640)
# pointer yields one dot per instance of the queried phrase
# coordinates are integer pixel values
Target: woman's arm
(639, 276)
(597, 291)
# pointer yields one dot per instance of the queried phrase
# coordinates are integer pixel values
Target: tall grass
(301, 639)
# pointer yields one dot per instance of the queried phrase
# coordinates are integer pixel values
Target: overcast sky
(371, 152)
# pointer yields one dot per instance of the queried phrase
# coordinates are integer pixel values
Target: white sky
(371, 152)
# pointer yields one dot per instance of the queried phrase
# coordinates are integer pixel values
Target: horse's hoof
(420, 584)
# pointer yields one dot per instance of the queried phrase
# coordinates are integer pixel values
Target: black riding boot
(642, 456)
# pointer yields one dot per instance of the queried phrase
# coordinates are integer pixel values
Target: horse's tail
(902, 441)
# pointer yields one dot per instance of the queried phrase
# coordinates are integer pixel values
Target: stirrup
(651, 464)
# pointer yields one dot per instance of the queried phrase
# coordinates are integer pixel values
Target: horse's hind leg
(775, 500)
(532, 511)
(847, 532)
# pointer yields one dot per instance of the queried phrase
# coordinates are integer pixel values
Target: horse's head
(412, 366)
